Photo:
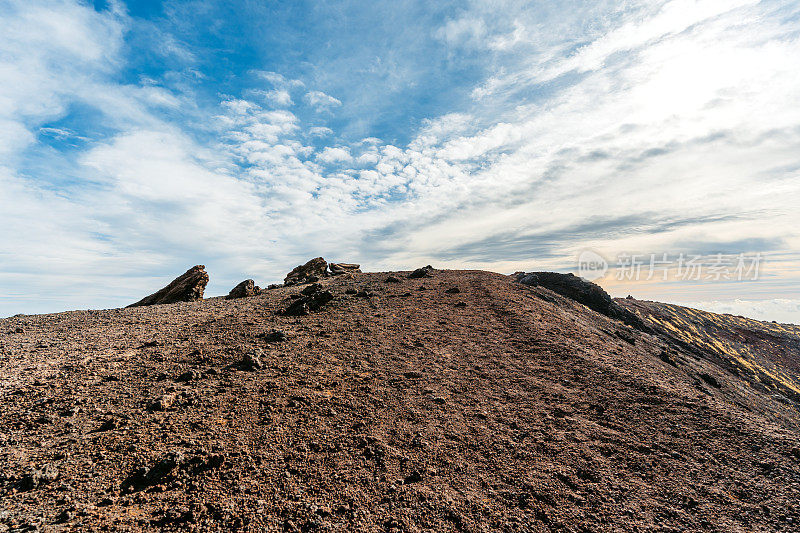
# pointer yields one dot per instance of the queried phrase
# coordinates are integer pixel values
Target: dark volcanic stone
(243, 290)
(144, 477)
(313, 270)
(251, 360)
(344, 268)
(392, 279)
(275, 335)
(582, 291)
(311, 289)
(711, 380)
(424, 272)
(187, 287)
(307, 303)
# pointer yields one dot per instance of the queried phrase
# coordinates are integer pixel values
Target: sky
(138, 139)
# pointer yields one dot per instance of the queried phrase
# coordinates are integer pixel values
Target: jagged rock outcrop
(187, 287)
(312, 271)
(344, 268)
(583, 291)
(243, 290)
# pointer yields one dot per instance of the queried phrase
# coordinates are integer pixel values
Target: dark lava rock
(243, 290)
(187, 287)
(351, 291)
(627, 336)
(311, 289)
(582, 291)
(392, 279)
(275, 335)
(36, 478)
(344, 268)
(461, 304)
(667, 358)
(711, 380)
(307, 303)
(313, 270)
(251, 360)
(364, 294)
(413, 477)
(143, 477)
(424, 272)
(161, 403)
(453, 290)
(190, 375)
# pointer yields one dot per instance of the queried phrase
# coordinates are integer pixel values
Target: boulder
(243, 290)
(312, 271)
(187, 287)
(424, 272)
(344, 268)
(582, 291)
(312, 299)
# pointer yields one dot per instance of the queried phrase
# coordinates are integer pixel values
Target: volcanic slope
(403, 406)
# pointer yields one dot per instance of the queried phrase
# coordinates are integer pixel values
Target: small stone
(412, 375)
(392, 279)
(275, 335)
(461, 304)
(161, 403)
(108, 425)
(215, 461)
(351, 291)
(64, 516)
(453, 290)
(414, 477)
(190, 375)
(252, 360)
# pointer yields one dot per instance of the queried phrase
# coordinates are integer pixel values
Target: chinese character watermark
(664, 267)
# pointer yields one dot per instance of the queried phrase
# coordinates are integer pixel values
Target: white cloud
(320, 131)
(662, 114)
(278, 97)
(462, 32)
(321, 101)
(332, 155)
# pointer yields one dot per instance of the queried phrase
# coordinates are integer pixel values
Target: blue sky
(140, 138)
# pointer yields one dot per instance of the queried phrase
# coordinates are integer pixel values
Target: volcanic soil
(460, 402)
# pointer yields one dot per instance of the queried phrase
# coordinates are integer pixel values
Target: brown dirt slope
(402, 408)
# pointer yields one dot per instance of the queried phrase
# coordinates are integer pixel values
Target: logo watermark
(664, 266)
(592, 265)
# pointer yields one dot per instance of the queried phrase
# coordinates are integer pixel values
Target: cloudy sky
(140, 138)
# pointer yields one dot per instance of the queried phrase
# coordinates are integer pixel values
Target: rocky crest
(312, 271)
(187, 287)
